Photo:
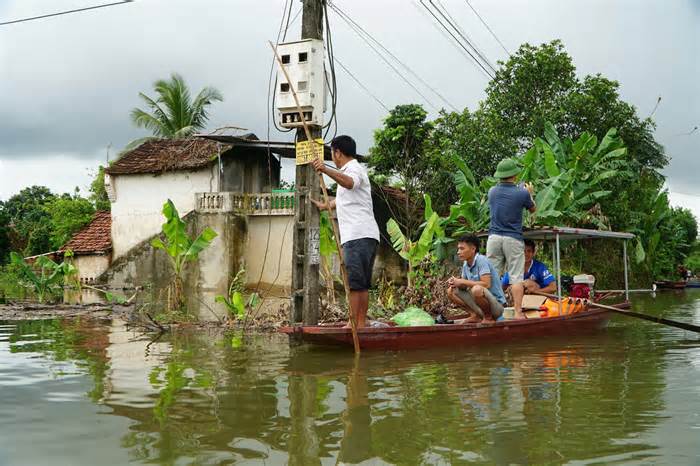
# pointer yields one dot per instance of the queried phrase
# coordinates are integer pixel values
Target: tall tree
(68, 215)
(28, 220)
(399, 155)
(174, 114)
(98, 192)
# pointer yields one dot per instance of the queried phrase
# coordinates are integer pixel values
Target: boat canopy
(558, 234)
(568, 233)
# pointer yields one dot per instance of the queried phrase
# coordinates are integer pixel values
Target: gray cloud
(67, 84)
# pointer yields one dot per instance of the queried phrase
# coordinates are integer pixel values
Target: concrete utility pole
(306, 257)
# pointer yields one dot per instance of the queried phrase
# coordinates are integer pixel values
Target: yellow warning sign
(307, 151)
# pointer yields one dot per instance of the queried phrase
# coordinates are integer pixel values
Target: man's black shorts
(359, 259)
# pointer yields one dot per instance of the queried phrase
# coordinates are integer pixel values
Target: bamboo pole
(336, 234)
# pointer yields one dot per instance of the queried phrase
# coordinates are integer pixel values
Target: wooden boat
(583, 322)
(670, 285)
(586, 321)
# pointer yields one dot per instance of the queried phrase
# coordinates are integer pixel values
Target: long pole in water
(658, 320)
(343, 270)
(624, 258)
(558, 275)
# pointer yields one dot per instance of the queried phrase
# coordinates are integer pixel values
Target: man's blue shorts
(359, 257)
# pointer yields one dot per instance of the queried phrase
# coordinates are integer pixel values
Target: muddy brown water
(82, 392)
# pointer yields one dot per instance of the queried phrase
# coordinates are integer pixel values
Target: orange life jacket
(550, 308)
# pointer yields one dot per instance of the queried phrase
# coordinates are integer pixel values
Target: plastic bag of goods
(413, 317)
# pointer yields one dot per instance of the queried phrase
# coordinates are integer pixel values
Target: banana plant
(327, 248)
(180, 247)
(43, 277)
(471, 213)
(415, 251)
(569, 176)
(236, 304)
(648, 234)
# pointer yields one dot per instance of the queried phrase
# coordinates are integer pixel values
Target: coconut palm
(174, 114)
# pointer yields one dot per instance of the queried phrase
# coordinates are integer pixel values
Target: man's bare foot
(488, 320)
(519, 315)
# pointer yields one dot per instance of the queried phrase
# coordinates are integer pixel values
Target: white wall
(92, 266)
(137, 208)
(278, 265)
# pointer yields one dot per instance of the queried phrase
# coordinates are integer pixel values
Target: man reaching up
(359, 233)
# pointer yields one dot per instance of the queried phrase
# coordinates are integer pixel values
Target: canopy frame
(557, 234)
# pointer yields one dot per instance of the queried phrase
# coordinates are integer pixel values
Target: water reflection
(209, 398)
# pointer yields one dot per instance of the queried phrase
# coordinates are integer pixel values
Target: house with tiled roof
(140, 181)
(92, 247)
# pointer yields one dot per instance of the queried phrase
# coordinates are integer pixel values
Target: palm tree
(174, 114)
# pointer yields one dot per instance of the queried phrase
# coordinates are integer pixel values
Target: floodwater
(83, 393)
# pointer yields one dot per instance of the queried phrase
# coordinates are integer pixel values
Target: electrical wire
(67, 12)
(288, 9)
(333, 86)
(456, 40)
(482, 61)
(347, 18)
(385, 60)
(354, 78)
(286, 12)
(487, 27)
(463, 34)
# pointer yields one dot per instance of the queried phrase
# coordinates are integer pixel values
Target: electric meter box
(303, 61)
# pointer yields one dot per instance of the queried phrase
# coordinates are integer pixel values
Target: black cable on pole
(459, 43)
(286, 13)
(391, 65)
(487, 27)
(67, 12)
(347, 18)
(359, 83)
(333, 85)
(465, 39)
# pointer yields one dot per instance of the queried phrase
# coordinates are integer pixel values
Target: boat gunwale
(339, 330)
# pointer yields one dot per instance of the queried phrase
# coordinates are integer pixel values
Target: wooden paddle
(658, 320)
(336, 234)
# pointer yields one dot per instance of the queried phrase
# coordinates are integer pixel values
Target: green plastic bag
(413, 317)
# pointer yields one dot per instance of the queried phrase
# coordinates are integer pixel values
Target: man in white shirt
(359, 233)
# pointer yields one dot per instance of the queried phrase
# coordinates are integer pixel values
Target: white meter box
(303, 61)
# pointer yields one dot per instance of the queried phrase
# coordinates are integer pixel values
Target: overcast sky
(67, 83)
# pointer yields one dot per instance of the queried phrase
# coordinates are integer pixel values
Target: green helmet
(506, 168)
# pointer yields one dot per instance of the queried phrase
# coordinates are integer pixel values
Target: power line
(361, 85)
(487, 27)
(658, 101)
(67, 12)
(442, 31)
(472, 44)
(347, 18)
(456, 40)
(384, 59)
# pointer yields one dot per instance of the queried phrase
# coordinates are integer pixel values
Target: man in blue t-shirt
(478, 291)
(537, 276)
(505, 248)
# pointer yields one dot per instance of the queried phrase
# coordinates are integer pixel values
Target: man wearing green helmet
(505, 248)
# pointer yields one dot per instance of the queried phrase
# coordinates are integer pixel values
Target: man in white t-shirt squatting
(359, 233)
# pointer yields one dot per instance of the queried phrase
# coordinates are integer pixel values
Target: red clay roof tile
(94, 238)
